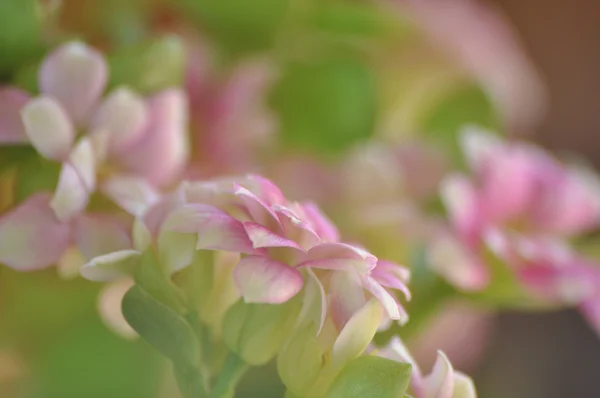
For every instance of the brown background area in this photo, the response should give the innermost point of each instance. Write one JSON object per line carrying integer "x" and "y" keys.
{"x": 556, "y": 353}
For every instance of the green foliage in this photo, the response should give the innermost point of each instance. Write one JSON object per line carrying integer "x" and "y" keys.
{"x": 239, "y": 25}
{"x": 89, "y": 361}
{"x": 300, "y": 360}
{"x": 35, "y": 174}
{"x": 468, "y": 104}
{"x": 149, "y": 67}
{"x": 350, "y": 19}
{"x": 20, "y": 33}
{"x": 325, "y": 106}
{"x": 154, "y": 280}
{"x": 371, "y": 377}
{"x": 256, "y": 331}
{"x": 161, "y": 327}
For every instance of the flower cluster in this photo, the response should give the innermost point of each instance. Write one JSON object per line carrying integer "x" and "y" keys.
{"x": 523, "y": 208}
{"x": 124, "y": 146}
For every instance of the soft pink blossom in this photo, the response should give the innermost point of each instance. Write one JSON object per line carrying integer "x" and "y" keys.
{"x": 523, "y": 207}
{"x": 281, "y": 243}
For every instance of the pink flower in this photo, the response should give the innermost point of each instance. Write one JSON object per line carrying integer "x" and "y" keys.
{"x": 123, "y": 132}
{"x": 281, "y": 243}
{"x": 34, "y": 238}
{"x": 231, "y": 121}
{"x": 522, "y": 206}
{"x": 442, "y": 382}
{"x": 127, "y": 147}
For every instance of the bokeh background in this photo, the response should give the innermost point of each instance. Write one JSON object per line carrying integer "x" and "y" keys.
{"x": 53, "y": 344}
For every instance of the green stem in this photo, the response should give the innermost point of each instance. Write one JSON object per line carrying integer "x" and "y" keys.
{"x": 229, "y": 377}
{"x": 190, "y": 382}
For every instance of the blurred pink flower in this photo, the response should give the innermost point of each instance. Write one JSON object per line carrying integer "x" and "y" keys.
{"x": 127, "y": 147}
{"x": 442, "y": 382}
{"x": 281, "y": 243}
{"x": 523, "y": 206}
{"x": 484, "y": 43}
{"x": 231, "y": 121}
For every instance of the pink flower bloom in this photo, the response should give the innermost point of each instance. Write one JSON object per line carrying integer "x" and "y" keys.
{"x": 522, "y": 206}
{"x": 281, "y": 243}
{"x": 128, "y": 146}
{"x": 231, "y": 121}
{"x": 482, "y": 41}
{"x": 34, "y": 238}
{"x": 442, "y": 382}
{"x": 123, "y": 132}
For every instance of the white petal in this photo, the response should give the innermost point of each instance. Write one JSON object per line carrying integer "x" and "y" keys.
{"x": 123, "y": 115}
{"x": 48, "y": 127}
{"x": 111, "y": 266}
{"x": 74, "y": 74}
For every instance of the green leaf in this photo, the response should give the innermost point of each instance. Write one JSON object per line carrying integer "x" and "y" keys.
{"x": 15, "y": 155}
{"x": 239, "y": 25}
{"x": 156, "y": 281}
{"x": 161, "y": 327}
{"x": 257, "y": 331}
{"x": 467, "y": 104}
{"x": 35, "y": 174}
{"x": 87, "y": 360}
{"x": 354, "y": 19}
{"x": 149, "y": 67}
{"x": 20, "y": 33}
{"x": 371, "y": 377}
{"x": 326, "y": 106}
{"x": 300, "y": 360}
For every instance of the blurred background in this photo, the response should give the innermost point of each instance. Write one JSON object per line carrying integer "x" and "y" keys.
{"x": 530, "y": 68}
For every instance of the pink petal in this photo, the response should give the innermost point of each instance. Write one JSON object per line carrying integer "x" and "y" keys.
{"x": 314, "y": 296}
{"x": 591, "y": 311}
{"x": 216, "y": 229}
{"x": 98, "y": 234}
{"x": 479, "y": 147}
{"x": 459, "y": 265}
{"x": 462, "y": 205}
{"x": 264, "y": 237}
{"x": 124, "y": 116}
{"x": 75, "y": 75}
{"x": 12, "y": 130}
{"x": 31, "y": 235}
{"x": 392, "y": 276}
{"x": 440, "y": 382}
{"x": 296, "y": 228}
{"x": 516, "y": 170}
{"x": 390, "y": 303}
{"x": 322, "y": 225}
{"x": 397, "y": 351}
{"x": 76, "y": 182}
{"x": 48, "y": 127}
{"x": 111, "y": 266}
{"x": 263, "y": 280}
{"x": 161, "y": 152}
{"x": 259, "y": 210}
{"x": 133, "y": 194}
{"x": 71, "y": 196}
{"x": 574, "y": 206}
{"x": 156, "y": 214}
{"x": 346, "y": 296}
{"x": 225, "y": 233}
{"x": 339, "y": 256}
{"x": 264, "y": 189}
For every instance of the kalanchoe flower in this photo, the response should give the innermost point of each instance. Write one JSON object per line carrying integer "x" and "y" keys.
{"x": 442, "y": 382}
{"x": 277, "y": 239}
{"x": 230, "y": 119}
{"x": 125, "y": 145}
{"x": 523, "y": 207}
